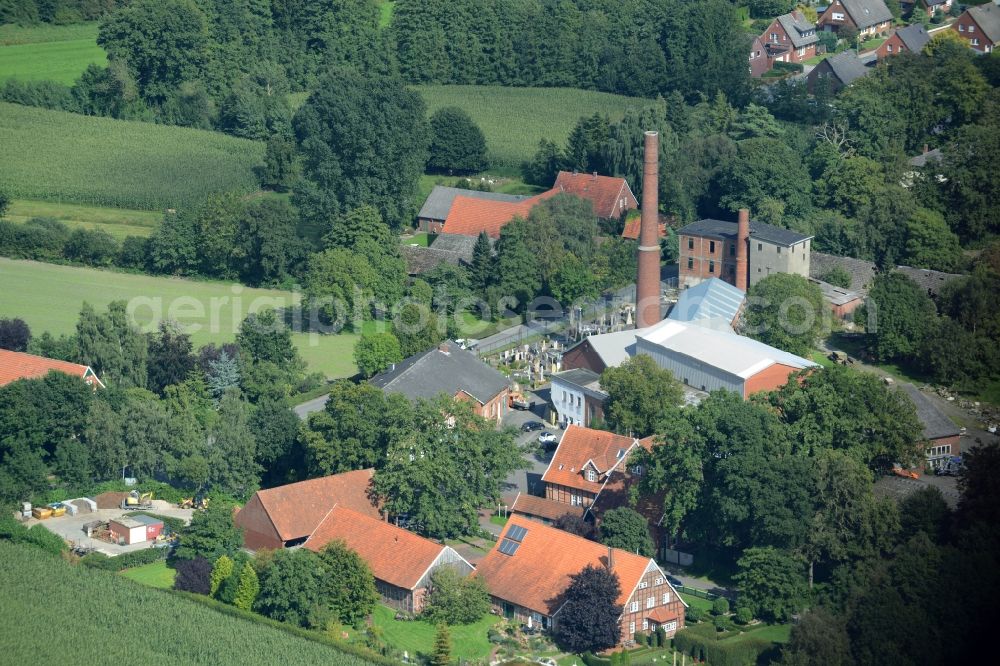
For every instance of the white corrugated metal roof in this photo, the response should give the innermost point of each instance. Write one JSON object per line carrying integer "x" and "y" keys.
{"x": 732, "y": 353}
{"x": 710, "y": 299}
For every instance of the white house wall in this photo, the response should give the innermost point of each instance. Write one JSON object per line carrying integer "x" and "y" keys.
{"x": 689, "y": 370}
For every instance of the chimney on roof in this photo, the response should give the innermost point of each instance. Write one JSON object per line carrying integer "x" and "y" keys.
{"x": 647, "y": 290}
{"x": 742, "y": 249}
{"x": 611, "y": 558}
{"x": 444, "y": 348}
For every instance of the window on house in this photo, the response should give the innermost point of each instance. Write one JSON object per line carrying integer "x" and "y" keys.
{"x": 690, "y": 243}
{"x": 631, "y": 628}
{"x": 972, "y": 28}
{"x": 732, "y": 249}
{"x": 591, "y": 475}
{"x": 961, "y": 28}
{"x": 779, "y": 249}
{"x": 975, "y": 41}
{"x": 643, "y": 585}
{"x": 711, "y": 267}
{"x": 690, "y": 263}
{"x": 666, "y": 597}
{"x": 670, "y": 626}
{"x": 711, "y": 246}
{"x": 760, "y": 247}
{"x": 635, "y": 609}
{"x": 650, "y": 602}
{"x": 637, "y": 470}
{"x": 575, "y": 500}
{"x": 838, "y": 16}
{"x": 645, "y": 624}
{"x": 658, "y": 581}
{"x": 889, "y": 48}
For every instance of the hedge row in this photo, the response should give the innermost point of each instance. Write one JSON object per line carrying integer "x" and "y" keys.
{"x": 13, "y": 531}
{"x": 741, "y": 652}
{"x": 135, "y": 558}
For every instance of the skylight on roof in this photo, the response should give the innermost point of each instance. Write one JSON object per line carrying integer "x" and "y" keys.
{"x": 508, "y": 547}
{"x": 621, "y": 452}
{"x": 516, "y": 533}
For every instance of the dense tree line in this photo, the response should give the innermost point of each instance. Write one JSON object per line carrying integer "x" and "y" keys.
{"x": 57, "y": 12}
{"x": 880, "y": 607}
{"x": 211, "y": 420}
{"x": 633, "y": 48}
{"x": 789, "y": 471}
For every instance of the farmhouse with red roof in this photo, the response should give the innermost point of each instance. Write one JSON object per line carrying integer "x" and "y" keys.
{"x": 401, "y": 561}
{"x": 531, "y": 565}
{"x": 18, "y": 365}
{"x": 288, "y": 515}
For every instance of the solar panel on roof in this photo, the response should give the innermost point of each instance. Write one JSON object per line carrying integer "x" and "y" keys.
{"x": 516, "y": 533}
{"x": 508, "y": 547}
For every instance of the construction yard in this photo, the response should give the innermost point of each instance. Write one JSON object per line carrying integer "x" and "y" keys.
{"x": 74, "y": 528}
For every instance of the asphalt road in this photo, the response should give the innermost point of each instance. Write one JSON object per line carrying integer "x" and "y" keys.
{"x": 306, "y": 408}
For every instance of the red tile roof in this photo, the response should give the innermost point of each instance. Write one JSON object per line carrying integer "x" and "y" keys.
{"x": 537, "y": 574}
{"x": 396, "y": 556}
{"x": 662, "y": 614}
{"x": 18, "y": 365}
{"x": 604, "y": 192}
{"x": 631, "y": 230}
{"x": 296, "y": 509}
{"x": 470, "y": 217}
{"x": 579, "y": 446}
{"x": 529, "y": 505}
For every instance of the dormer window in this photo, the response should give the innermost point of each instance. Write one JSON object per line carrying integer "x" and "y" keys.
{"x": 591, "y": 475}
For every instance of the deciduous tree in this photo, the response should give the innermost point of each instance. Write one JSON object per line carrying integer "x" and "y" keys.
{"x": 589, "y": 620}
{"x": 786, "y": 311}
{"x": 210, "y": 535}
{"x": 348, "y": 588}
{"x": 771, "y": 583}
{"x": 457, "y": 143}
{"x": 627, "y": 529}
{"x": 375, "y": 352}
{"x": 640, "y": 395}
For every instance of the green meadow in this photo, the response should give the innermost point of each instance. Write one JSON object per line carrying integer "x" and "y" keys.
{"x": 49, "y": 52}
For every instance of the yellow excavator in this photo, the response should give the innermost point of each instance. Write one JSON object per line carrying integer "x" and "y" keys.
{"x": 135, "y": 500}
{"x": 198, "y": 502}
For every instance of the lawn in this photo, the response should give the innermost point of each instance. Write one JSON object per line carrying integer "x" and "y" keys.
{"x": 156, "y": 574}
{"x": 542, "y": 113}
{"x": 696, "y": 602}
{"x": 871, "y": 44}
{"x": 385, "y": 13}
{"x": 49, "y": 298}
{"x": 119, "y": 222}
{"x": 815, "y": 60}
{"x": 420, "y": 239}
{"x": 467, "y": 641}
{"x": 822, "y": 359}
{"x": 66, "y": 157}
{"x": 53, "y": 59}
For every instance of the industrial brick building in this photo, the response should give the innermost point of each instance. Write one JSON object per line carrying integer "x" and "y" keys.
{"x": 741, "y": 253}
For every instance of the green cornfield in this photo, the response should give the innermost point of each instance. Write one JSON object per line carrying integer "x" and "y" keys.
{"x": 56, "y": 613}
{"x": 514, "y": 120}
{"x": 69, "y": 158}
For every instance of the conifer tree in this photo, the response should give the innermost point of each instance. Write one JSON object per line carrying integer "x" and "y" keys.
{"x": 442, "y": 646}
{"x": 222, "y": 570}
{"x": 249, "y": 586}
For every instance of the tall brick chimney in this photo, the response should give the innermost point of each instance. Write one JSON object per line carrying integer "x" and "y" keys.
{"x": 647, "y": 293}
{"x": 742, "y": 249}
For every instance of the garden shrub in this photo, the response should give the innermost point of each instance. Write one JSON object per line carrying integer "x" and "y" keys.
{"x": 722, "y": 623}
{"x": 720, "y": 606}
{"x": 661, "y": 637}
{"x": 744, "y": 615}
{"x": 135, "y": 558}
{"x": 694, "y": 614}
{"x": 591, "y": 659}
{"x": 194, "y": 575}
{"x": 742, "y": 652}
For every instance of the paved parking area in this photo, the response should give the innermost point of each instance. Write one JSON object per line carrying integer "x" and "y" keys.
{"x": 71, "y": 528}
{"x": 529, "y": 480}
{"x": 899, "y": 487}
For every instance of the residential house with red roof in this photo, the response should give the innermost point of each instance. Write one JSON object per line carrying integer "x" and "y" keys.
{"x": 584, "y": 462}
{"x": 288, "y": 515}
{"x": 789, "y": 38}
{"x": 530, "y": 568}
{"x": 18, "y": 365}
{"x": 544, "y": 510}
{"x": 401, "y": 562}
{"x": 471, "y": 216}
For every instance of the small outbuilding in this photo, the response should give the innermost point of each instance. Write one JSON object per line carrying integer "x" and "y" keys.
{"x": 130, "y": 530}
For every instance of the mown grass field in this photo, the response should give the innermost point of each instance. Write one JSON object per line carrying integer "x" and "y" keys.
{"x": 119, "y": 222}
{"x": 467, "y": 641}
{"x": 55, "y": 53}
{"x": 155, "y": 574}
{"x": 49, "y": 297}
{"x": 55, "y": 613}
{"x": 66, "y": 157}
{"x": 514, "y": 120}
